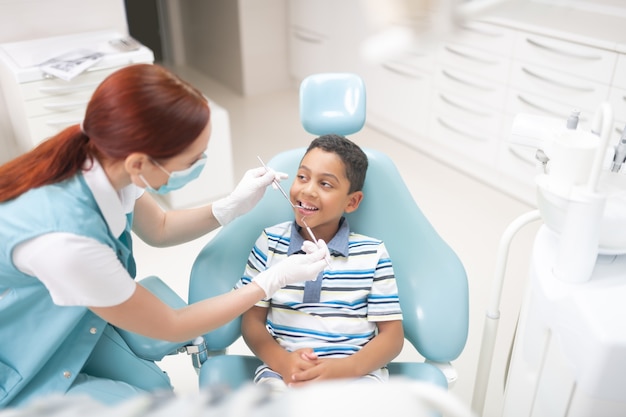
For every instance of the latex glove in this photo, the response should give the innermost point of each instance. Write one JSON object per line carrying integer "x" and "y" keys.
{"x": 296, "y": 268}
{"x": 246, "y": 194}
{"x": 310, "y": 247}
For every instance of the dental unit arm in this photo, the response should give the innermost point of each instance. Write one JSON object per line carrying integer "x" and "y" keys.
{"x": 619, "y": 157}
{"x": 576, "y": 275}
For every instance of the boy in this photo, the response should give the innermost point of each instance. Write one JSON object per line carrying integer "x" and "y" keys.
{"x": 345, "y": 324}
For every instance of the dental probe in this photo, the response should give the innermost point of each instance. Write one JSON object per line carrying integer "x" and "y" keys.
{"x": 280, "y": 188}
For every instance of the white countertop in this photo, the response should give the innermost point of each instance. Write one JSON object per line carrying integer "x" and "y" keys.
{"x": 24, "y": 57}
{"x": 585, "y": 27}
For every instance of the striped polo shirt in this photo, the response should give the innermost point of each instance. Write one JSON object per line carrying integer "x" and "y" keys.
{"x": 336, "y": 314}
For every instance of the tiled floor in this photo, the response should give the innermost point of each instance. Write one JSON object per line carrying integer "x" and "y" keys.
{"x": 468, "y": 214}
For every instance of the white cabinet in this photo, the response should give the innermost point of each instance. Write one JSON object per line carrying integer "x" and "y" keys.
{"x": 310, "y": 37}
{"x": 458, "y": 97}
{"x": 473, "y": 69}
{"x": 325, "y": 35}
{"x": 40, "y": 105}
{"x": 398, "y": 94}
{"x": 552, "y": 77}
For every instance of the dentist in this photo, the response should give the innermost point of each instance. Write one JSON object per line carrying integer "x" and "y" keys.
{"x": 66, "y": 263}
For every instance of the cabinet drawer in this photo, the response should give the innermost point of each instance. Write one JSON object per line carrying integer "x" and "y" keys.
{"x": 312, "y": 15}
{"x": 467, "y": 113}
{"x": 518, "y": 162}
{"x": 567, "y": 89}
{"x": 464, "y": 140}
{"x": 398, "y": 93}
{"x": 619, "y": 79}
{"x": 471, "y": 86}
{"x": 571, "y": 58}
{"x": 309, "y": 53}
{"x": 58, "y": 104}
{"x": 522, "y": 102}
{"x": 476, "y": 61}
{"x": 43, "y": 127}
{"x": 86, "y": 82}
{"x": 515, "y": 160}
{"x": 495, "y": 39}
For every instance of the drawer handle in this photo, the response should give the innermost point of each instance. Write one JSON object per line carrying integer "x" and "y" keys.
{"x": 65, "y": 106}
{"x": 466, "y": 82}
{"x": 544, "y": 109}
{"x": 459, "y": 131}
{"x": 66, "y": 89}
{"x": 563, "y": 52}
{"x": 307, "y": 37}
{"x": 470, "y": 56}
{"x": 397, "y": 69}
{"x": 525, "y": 159}
{"x": 459, "y": 106}
{"x": 549, "y": 80}
{"x": 66, "y": 122}
{"x": 483, "y": 32}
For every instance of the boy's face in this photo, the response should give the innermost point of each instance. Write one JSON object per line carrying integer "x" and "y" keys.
{"x": 321, "y": 187}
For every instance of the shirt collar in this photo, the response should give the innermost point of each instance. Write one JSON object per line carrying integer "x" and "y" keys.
{"x": 339, "y": 244}
{"x": 112, "y": 204}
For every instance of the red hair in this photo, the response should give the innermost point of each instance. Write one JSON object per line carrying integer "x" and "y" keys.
{"x": 140, "y": 108}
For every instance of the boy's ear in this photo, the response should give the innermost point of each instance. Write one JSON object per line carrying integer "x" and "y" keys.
{"x": 354, "y": 200}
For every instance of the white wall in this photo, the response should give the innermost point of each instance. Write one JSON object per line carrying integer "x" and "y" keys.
{"x": 242, "y": 44}
{"x": 31, "y": 19}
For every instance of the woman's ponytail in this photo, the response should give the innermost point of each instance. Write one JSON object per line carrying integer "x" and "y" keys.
{"x": 53, "y": 160}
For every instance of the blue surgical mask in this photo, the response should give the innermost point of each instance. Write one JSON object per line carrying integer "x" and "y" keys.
{"x": 177, "y": 179}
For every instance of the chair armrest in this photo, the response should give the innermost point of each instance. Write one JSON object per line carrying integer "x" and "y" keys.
{"x": 146, "y": 347}
{"x": 232, "y": 371}
{"x": 447, "y": 369}
{"x": 419, "y": 371}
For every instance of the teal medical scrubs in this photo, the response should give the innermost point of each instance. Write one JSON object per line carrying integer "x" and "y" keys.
{"x": 50, "y": 349}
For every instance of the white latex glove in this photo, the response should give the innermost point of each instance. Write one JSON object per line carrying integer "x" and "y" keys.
{"x": 246, "y": 194}
{"x": 310, "y": 247}
{"x": 296, "y": 268}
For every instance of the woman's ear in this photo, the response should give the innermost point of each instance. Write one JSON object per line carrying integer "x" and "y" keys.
{"x": 354, "y": 200}
{"x": 136, "y": 162}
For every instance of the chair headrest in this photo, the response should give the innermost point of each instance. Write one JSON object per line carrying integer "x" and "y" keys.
{"x": 332, "y": 103}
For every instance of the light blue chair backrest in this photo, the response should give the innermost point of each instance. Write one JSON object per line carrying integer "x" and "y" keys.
{"x": 431, "y": 279}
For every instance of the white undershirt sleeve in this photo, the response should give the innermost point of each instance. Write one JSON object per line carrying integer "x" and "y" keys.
{"x": 76, "y": 270}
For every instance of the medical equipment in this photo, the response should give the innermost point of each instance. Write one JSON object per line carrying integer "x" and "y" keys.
{"x": 431, "y": 279}
{"x": 620, "y": 153}
{"x": 569, "y": 355}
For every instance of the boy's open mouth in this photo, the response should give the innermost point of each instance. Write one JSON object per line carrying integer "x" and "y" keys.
{"x": 306, "y": 207}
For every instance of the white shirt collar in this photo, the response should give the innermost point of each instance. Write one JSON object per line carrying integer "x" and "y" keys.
{"x": 113, "y": 205}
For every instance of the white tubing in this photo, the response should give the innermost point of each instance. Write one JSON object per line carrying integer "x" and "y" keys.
{"x": 602, "y": 125}
{"x": 493, "y": 311}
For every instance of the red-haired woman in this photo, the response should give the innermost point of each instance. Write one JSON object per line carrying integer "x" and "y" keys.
{"x": 66, "y": 264}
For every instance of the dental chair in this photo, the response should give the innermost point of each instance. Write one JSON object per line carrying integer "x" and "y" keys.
{"x": 432, "y": 282}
